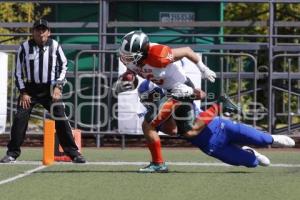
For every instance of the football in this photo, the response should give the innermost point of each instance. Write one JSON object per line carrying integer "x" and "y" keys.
{"x": 128, "y": 76}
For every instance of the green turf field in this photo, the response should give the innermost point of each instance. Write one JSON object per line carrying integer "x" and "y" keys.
{"x": 104, "y": 179}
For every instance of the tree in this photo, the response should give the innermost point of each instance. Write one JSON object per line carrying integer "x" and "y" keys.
{"x": 19, "y": 12}
{"x": 260, "y": 12}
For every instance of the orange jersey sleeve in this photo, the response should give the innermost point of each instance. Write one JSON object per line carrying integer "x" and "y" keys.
{"x": 159, "y": 56}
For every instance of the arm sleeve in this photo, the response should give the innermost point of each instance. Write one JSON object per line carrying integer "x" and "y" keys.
{"x": 62, "y": 65}
{"x": 19, "y": 76}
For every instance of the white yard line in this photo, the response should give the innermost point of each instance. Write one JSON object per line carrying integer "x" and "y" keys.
{"x": 26, "y": 173}
{"x": 121, "y": 163}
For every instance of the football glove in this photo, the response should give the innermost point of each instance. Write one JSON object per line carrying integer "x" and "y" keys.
{"x": 206, "y": 72}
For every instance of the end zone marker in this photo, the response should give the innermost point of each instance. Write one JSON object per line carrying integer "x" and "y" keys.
{"x": 49, "y": 139}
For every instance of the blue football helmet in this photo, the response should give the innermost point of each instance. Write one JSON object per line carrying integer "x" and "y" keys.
{"x": 149, "y": 92}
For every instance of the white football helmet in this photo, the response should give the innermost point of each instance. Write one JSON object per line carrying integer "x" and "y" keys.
{"x": 134, "y": 47}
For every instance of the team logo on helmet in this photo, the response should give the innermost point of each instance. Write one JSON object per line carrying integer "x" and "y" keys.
{"x": 134, "y": 47}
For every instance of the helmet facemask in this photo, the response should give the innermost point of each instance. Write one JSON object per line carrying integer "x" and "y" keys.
{"x": 130, "y": 58}
{"x": 134, "y": 48}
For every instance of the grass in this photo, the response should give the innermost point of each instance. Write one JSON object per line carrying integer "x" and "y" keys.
{"x": 102, "y": 182}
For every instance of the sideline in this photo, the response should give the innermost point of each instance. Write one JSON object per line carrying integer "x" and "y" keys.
{"x": 26, "y": 173}
{"x": 121, "y": 163}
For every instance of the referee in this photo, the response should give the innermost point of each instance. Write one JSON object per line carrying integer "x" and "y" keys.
{"x": 40, "y": 74}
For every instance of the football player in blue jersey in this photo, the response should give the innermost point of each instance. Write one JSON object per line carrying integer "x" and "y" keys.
{"x": 216, "y": 136}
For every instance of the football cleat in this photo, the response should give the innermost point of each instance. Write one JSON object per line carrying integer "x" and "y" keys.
{"x": 262, "y": 159}
{"x": 154, "y": 168}
{"x": 282, "y": 141}
{"x": 228, "y": 106}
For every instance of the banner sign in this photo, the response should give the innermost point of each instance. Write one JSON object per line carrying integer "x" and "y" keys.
{"x": 3, "y": 90}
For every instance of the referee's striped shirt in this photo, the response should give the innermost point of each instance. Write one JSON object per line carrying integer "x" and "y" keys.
{"x": 47, "y": 65}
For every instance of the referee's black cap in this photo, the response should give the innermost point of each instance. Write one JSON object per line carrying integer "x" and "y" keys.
{"x": 41, "y": 23}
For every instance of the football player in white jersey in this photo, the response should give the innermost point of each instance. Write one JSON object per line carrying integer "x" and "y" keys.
{"x": 161, "y": 65}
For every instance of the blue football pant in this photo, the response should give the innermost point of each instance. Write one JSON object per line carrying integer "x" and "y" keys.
{"x": 221, "y": 139}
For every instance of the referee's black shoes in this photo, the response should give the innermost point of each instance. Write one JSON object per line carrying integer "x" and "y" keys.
{"x": 78, "y": 159}
{"x": 10, "y": 159}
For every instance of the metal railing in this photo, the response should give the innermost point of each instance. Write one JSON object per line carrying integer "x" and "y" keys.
{"x": 103, "y": 48}
{"x": 37, "y": 114}
{"x": 225, "y": 74}
{"x": 287, "y": 75}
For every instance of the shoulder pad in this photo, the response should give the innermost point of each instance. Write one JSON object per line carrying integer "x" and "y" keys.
{"x": 159, "y": 56}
